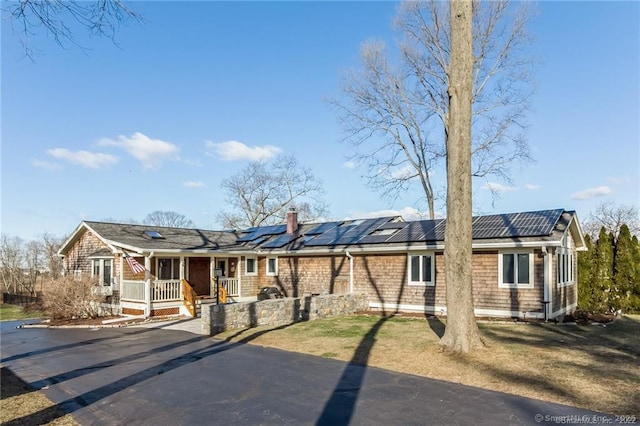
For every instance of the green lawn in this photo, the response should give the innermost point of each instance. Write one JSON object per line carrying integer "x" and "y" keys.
{"x": 13, "y": 312}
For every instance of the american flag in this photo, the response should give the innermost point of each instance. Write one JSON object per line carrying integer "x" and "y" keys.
{"x": 135, "y": 266}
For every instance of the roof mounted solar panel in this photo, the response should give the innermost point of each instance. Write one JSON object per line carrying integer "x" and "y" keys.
{"x": 422, "y": 230}
{"x": 347, "y": 233}
{"x": 258, "y": 241}
{"x": 322, "y": 228}
{"x": 534, "y": 223}
{"x": 255, "y": 233}
{"x": 513, "y": 225}
{"x": 280, "y": 241}
{"x": 491, "y": 226}
{"x": 393, "y": 225}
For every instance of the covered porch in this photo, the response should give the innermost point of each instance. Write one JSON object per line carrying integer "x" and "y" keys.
{"x": 176, "y": 284}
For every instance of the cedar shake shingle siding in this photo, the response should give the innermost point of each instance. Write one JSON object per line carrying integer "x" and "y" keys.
{"x": 383, "y": 278}
{"x": 77, "y": 258}
{"x": 300, "y": 275}
{"x": 312, "y": 258}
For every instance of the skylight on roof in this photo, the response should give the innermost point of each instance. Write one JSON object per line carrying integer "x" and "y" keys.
{"x": 389, "y": 231}
{"x": 153, "y": 234}
{"x": 354, "y": 223}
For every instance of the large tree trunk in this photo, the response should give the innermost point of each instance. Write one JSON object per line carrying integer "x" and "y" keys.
{"x": 461, "y": 333}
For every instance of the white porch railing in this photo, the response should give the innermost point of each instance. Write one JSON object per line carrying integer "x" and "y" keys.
{"x": 163, "y": 290}
{"x": 132, "y": 290}
{"x": 232, "y": 285}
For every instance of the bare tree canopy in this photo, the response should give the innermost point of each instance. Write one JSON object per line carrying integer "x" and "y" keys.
{"x": 57, "y": 18}
{"x": 169, "y": 219}
{"x": 130, "y": 220}
{"x": 12, "y": 263}
{"x": 262, "y": 193}
{"x": 395, "y": 108}
{"x": 612, "y": 216}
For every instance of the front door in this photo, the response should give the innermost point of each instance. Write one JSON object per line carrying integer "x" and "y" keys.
{"x": 199, "y": 275}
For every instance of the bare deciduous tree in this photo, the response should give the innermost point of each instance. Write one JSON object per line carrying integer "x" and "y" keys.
{"x": 461, "y": 333}
{"x": 612, "y": 216}
{"x": 11, "y": 263}
{"x": 262, "y": 193}
{"x": 51, "y": 245}
{"x": 58, "y": 17}
{"x": 35, "y": 263}
{"x": 170, "y": 219}
{"x": 395, "y": 116}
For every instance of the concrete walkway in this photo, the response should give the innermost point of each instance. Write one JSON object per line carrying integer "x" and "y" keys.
{"x": 161, "y": 376}
{"x": 190, "y": 325}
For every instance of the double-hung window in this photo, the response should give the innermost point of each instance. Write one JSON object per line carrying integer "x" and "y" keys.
{"x": 515, "y": 269}
{"x": 251, "y": 266}
{"x": 272, "y": 266}
{"x": 102, "y": 270}
{"x": 421, "y": 269}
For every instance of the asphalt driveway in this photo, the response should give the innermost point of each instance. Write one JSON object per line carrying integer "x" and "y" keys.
{"x": 145, "y": 376}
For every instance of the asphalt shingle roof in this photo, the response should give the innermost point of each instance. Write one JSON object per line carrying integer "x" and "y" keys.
{"x": 544, "y": 225}
{"x": 172, "y": 238}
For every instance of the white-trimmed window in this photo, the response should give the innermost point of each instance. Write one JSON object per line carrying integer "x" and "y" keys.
{"x": 251, "y": 266}
{"x": 272, "y": 266}
{"x": 515, "y": 269}
{"x": 102, "y": 269}
{"x": 564, "y": 267}
{"x": 168, "y": 268}
{"x": 421, "y": 268}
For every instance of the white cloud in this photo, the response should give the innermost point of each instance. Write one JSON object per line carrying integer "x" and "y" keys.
{"x": 618, "y": 181}
{"x": 408, "y": 213}
{"x": 532, "y": 186}
{"x": 235, "y": 151}
{"x": 92, "y": 160}
{"x": 192, "y": 184}
{"x": 46, "y": 165}
{"x": 349, "y": 165}
{"x": 497, "y": 187}
{"x": 588, "y": 193}
{"x": 404, "y": 173}
{"x": 150, "y": 152}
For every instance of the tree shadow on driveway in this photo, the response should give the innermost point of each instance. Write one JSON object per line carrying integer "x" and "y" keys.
{"x": 73, "y": 404}
{"x": 340, "y": 407}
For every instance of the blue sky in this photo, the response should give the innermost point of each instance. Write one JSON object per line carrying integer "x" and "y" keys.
{"x": 190, "y": 96}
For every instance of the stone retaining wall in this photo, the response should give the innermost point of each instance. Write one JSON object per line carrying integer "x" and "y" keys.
{"x": 218, "y": 318}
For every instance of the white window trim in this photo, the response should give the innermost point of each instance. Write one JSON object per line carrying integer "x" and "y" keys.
{"x": 531, "y": 269}
{"x": 433, "y": 268}
{"x": 570, "y": 267}
{"x": 173, "y": 269}
{"x": 100, "y": 275}
{"x": 272, "y": 273}
{"x": 255, "y": 266}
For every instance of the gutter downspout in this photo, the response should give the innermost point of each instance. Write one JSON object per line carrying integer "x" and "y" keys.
{"x": 546, "y": 302}
{"x": 350, "y": 270}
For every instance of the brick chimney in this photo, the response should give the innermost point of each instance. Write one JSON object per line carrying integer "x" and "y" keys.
{"x": 292, "y": 220}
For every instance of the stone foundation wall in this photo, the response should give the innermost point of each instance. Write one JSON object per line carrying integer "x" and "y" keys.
{"x": 218, "y": 318}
